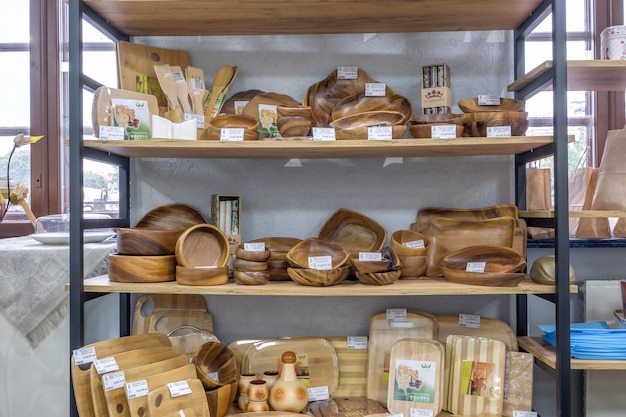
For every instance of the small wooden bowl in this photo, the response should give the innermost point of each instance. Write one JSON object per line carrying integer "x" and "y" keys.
{"x": 249, "y": 266}
{"x": 424, "y": 130}
{"x": 221, "y": 399}
{"x": 146, "y": 241}
{"x": 297, "y": 111}
{"x": 389, "y": 262}
{"x": 189, "y": 275}
{"x": 298, "y": 256}
{"x": 378, "y": 278}
{"x": 368, "y": 118}
{"x": 214, "y": 133}
{"x": 234, "y": 121}
{"x": 138, "y": 268}
{"x": 202, "y": 245}
{"x": 518, "y": 126}
{"x": 470, "y": 105}
{"x": 319, "y": 278}
{"x": 361, "y": 133}
{"x": 250, "y": 255}
{"x": 413, "y": 266}
{"x": 251, "y": 278}
{"x": 215, "y": 358}
{"x": 401, "y": 238}
{"x": 278, "y": 244}
{"x": 290, "y": 126}
{"x": 447, "y": 118}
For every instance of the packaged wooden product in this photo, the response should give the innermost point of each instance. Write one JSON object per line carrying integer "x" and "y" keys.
{"x": 518, "y": 383}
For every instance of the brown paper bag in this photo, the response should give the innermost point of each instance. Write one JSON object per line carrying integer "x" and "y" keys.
{"x": 610, "y": 193}
{"x": 582, "y": 184}
{"x": 538, "y": 189}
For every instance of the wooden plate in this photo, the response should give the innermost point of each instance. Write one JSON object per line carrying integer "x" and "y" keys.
{"x": 202, "y": 245}
{"x": 354, "y": 232}
{"x": 488, "y": 279}
{"x": 171, "y": 216}
{"x": 298, "y": 256}
{"x": 490, "y": 328}
{"x": 151, "y": 303}
{"x": 315, "y": 356}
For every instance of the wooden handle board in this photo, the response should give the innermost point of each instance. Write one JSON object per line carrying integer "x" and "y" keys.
{"x": 162, "y": 404}
{"x": 151, "y": 303}
{"x": 102, "y": 112}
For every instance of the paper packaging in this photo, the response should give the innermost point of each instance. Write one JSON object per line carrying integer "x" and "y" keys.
{"x": 436, "y": 94}
{"x": 226, "y": 214}
{"x": 518, "y": 383}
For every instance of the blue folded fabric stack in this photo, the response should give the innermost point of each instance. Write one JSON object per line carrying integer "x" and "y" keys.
{"x": 595, "y": 340}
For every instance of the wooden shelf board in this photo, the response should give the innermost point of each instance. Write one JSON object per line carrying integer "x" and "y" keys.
{"x": 168, "y": 148}
{"x": 547, "y": 354}
{"x": 253, "y": 17}
{"x": 535, "y": 214}
{"x": 590, "y": 75}
{"x": 421, "y": 286}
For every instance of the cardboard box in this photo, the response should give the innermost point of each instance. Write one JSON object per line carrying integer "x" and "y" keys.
{"x": 226, "y": 214}
{"x": 436, "y": 93}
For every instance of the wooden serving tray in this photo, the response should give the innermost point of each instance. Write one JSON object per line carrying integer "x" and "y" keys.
{"x": 352, "y": 369}
{"x": 152, "y": 303}
{"x": 162, "y": 404}
{"x": 167, "y": 321}
{"x": 489, "y": 328}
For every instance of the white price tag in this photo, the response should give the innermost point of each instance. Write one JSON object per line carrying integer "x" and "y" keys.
{"x": 396, "y": 314}
{"x": 215, "y": 376}
{"x": 113, "y": 380}
{"x": 199, "y": 119}
{"x": 111, "y": 132}
{"x": 318, "y": 393}
{"x": 347, "y": 73}
{"x": 396, "y": 415}
{"x": 469, "y": 320}
{"x": 85, "y": 355}
{"x": 370, "y": 256}
{"x": 475, "y": 267}
{"x": 197, "y": 84}
{"x": 324, "y": 133}
{"x": 254, "y": 246}
{"x": 379, "y": 133}
{"x": 179, "y": 388}
{"x": 488, "y": 100}
{"x": 239, "y": 106}
{"x": 498, "y": 131}
{"x": 322, "y": 263}
{"x": 106, "y": 365}
{"x": 375, "y": 89}
{"x": 137, "y": 389}
{"x": 357, "y": 342}
{"x": 517, "y": 413}
{"x": 230, "y": 134}
{"x": 415, "y": 244}
{"x": 181, "y": 413}
{"x": 443, "y": 131}
{"x": 420, "y": 412}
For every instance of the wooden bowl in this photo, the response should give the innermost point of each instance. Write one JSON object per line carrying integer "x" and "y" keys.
{"x": 251, "y": 278}
{"x": 413, "y": 266}
{"x": 278, "y": 244}
{"x": 297, "y": 111}
{"x": 319, "y": 278}
{"x": 139, "y": 268}
{"x": 448, "y": 118}
{"x": 518, "y": 126}
{"x": 368, "y": 118}
{"x": 145, "y": 241}
{"x": 190, "y": 275}
{"x": 250, "y": 255}
{"x": 221, "y": 399}
{"x": 240, "y": 96}
{"x": 289, "y": 126}
{"x": 354, "y": 232}
{"x": 171, "y": 216}
{"x": 361, "y": 133}
{"x": 234, "y": 121}
{"x": 389, "y": 262}
{"x": 378, "y": 278}
{"x": 249, "y": 266}
{"x": 202, "y": 245}
{"x": 213, "y": 358}
{"x": 488, "y": 279}
{"x": 298, "y": 256}
{"x": 407, "y": 242}
{"x": 358, "y": 102}
{"x": 214, "y": 133}
{"x": 424, "y": 130}
{"x": 470, "y": 105}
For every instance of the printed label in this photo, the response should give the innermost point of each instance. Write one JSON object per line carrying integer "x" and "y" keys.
{"x": 475, "y": 266}
{"x": 179, "y": 388}
{"x": 111, "y": 133}
{"x": 443, "y": 131}
{"x": 488, "y": 100}
{"x": 318, "y": 393}
{"x": 375, "y": 89}
{"x": 396, "y": 314}
{"x": 415, "y": 381}
{"x": 469, "y": 320}
{"x": 347, "y": 73}
{"x": 370, "y": 256}
{"x": 420, "y": 412}
{"x": 113, "y": 380}
{"x": 137, "y": 389}
{"x": 199, "y": 119}
{"x": 231, "y": 134}
{"x": 324, "y": 133}
{"x": 379, "y": 133}
{"x": 106, "y": 365}
{"x": 357, "y": 342}
{"x": 85, "y": 355}
{"x": 498, "y": 131}
{"x": 254, "y": 246}
{"x": 323, "y": 263}
{"x": 415, "y": 244}
{"x": 133, "y": 116}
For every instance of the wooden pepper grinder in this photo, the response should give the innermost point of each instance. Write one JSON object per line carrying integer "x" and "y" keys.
{"x": 289, "y": 393}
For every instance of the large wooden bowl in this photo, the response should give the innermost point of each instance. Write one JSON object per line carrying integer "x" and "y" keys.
{"x": 470, "y": 105}
{"x": 171, "y": 216}
{"x": 189, "y": 275}
{"x": 425, "y": 130}
{"x": 298, "y": 256}
{"x": 241, "y": 96}
{"x": 215, "y": 359}
{"x": 233, "y": 121}
{"x": 413, "y": 266}
{"x": 361, "y": 133}
{"x": 139, "y": 268}
{"x": 359, "y": 103}
{"x": 354, "y": 232}
{"x": 146, "y": 241}
{"x": 378, "y": 278}
{"x": 448, "y": 118}
{"x": 202, "y": 245}
{"x": 518, "y": 126}
{"x": 291, "y": 126}
{"x": 369, "y": 118}
{"x": 319, "y": 278}
{"x": 407, "y": 242}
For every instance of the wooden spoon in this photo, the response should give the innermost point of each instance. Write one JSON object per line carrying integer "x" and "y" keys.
{"x": 221, "y": 79}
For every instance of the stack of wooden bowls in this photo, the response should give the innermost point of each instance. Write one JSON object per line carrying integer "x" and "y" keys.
{"x": 202, "y": 254}
{"x": 378, "y": 272}
{"x": 277, "y": 263}
{"x": 250, "y": 264}
{"x": 319, "y": 263}
{"x": 421, "y": 126}
{"x": 412, "y": 250}
{"x": 294, "y": 121}
{"x": 478, "y": 118}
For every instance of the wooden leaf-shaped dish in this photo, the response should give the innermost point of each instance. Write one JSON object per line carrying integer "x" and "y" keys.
{"x": 470, "y": 105}
{"x": 354, "y": 232}
{"x": 319, "y": 278}
{"x": 298, "y": 256}
{"x": 202, "y": 245}
{"x": 171, "y": 216}
{"x": 360, "y": 103}
{"x": 369, "y": 118}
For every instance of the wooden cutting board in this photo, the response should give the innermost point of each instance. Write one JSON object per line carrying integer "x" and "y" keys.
{"x": 117, "y": 404}
{"x": 102, "y": 111}
{"x": 352, "y": 368}
{"x": 99, "y": 380}
{"x": 161, "y": 403}
{"x": 315, "y": 356}
{"x": 345, "y": 407}
{"x": 81, "y": 371}
{"x": 382, "y": 335}
{"x": 489, "y": 328}
{"x": 138, "y": 404}
{"x": 151, "y": 303}
{"x": 416, "y": 376}
{"x": 168, "y": 321}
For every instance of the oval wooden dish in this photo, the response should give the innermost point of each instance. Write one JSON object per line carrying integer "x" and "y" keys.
{"x": 213, "y": 359}
{"x": 354, "y": 232}
{"x": 146, "y": 241}
{"x": 138, "y": 268}
{"x": 359, "y": 103}
{"x": 318, "y": 277}
{"x": 298, "y": 256}
{"x": 202, "y": 245}
{"x": 171, "y": 216}
{"x": 470, "y": 105}
{"x": 378, "y": 278}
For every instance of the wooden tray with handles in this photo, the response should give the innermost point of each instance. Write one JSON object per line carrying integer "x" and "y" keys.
{"x": 161, "y": 403}
{"x": 490, "y": 328}
{"x": 167, "y": 321}
{"x": 382, "y": 336}
{"x": 152, "y": 303}
{"x": 117, "y": 404}
{"x": 124, "y": 360}
{"x": 81, "y": 372}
